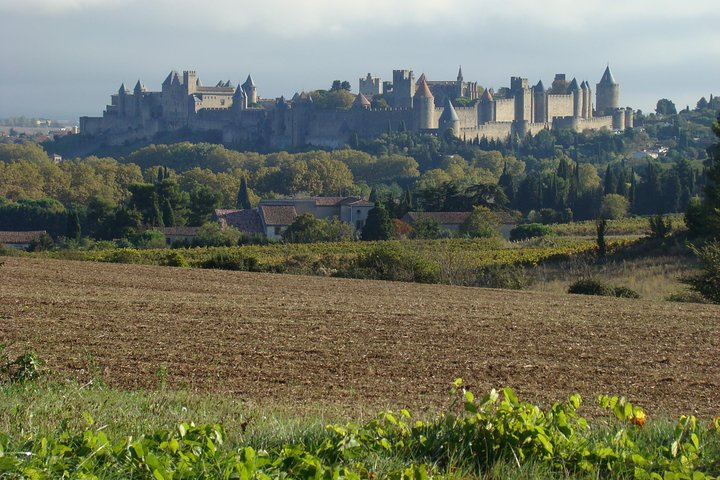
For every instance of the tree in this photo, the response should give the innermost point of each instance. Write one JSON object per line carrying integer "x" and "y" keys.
{"x": 305, "y": 229}
{"x": 378, "y": 225}
{"x": 481, "y": 223}
{"x": 601, "y": 229}
{"x": 613, "y": 206}
{"x": 428, "y": 228}
{"x": 665, "y": 107}
{"x": 73, "y": 227}
{"x": 203, "y": 201}
{"x": 243, "y": 196}
{"x": 704, "y": 218}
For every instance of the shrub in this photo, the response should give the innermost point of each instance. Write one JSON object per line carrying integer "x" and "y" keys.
{"x": 26, "y": 367}
{"x": 659, "y": 226}
{"x": 591, "y": 287}
{"x": 149, "y": 239}
{"x": 625, "y": 292}
{"x": 530, "y": 230}
{"x": 512, "y": 277}
{"x": 393, "y": 262}
{"x": 482, "y": 223}
{"x": 123, "y": 255}
{"x": 707, "y": 283}
{"x": 596, "y": 287}
{"x": 231, "y": 261}
{"x": 175, "y": 259}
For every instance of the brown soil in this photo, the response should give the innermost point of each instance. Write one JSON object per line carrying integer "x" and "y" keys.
{"x": 307, "y": 340}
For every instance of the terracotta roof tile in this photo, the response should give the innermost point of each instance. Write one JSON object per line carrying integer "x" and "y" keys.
{"x": 278, "y": 215}
{"x": 247, "y": 221}
{"x": 186, "y": 231}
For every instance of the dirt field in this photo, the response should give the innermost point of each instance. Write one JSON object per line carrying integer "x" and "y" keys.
{"x": 309, "y": 340}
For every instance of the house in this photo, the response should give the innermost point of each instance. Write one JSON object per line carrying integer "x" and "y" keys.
{"x": 272, "y": 217}
{"x": 178, "y": 234}
{"x": 20, "y": 240}
{"x": 451, "y": 221}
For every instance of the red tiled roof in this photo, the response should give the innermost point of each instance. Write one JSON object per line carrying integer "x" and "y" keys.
{"x": 423, "y": 90}
{"x": 20, "y": 237}
{"x": 244, "y": 220}
{"x": 278, "y": 215}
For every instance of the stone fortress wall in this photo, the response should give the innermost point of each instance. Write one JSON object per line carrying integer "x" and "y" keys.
{"x": 239, "y": 115}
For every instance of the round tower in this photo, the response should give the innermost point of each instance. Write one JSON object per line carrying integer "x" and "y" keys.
{"x": 250, "y": 90}
{"x": 423, "y": 106}
{"x": 629, "y": 118}
{"x": 618, "y": 119}
{"x": 540, "y": 103}
{"x": 607, "y": 93}
{"x": 449, "y": 120}
{"x": 576, "y": 93}
{"x": 485, "y": 113}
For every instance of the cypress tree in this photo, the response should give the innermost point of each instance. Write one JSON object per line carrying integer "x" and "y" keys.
{"x": 168, "y": 214}
{"x": 243, "y": 196}
{"x": 73, "y": 225}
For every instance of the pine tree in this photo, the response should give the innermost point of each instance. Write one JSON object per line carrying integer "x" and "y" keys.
{"x": 243, "y": 196}
{"x": 507, "y": 183}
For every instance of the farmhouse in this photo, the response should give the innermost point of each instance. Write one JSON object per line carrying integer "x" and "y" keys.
{"x": 20, "y": 240}
{"x": 178, "y": 234}
{"x": 272, "y": 217}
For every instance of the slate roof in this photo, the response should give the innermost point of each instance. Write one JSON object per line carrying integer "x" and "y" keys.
{"x": 244, "y": 220}
{"x": 278, "y": 215}
{"x": 16, "y": 237}
{"x": 607, "y": 77}
{"x": 540, "y": 87}
{"x": 449, "y": 114}
{"x": 361, "y": 101}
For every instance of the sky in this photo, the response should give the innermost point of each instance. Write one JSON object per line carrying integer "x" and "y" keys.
{"x": 62, "y": 59}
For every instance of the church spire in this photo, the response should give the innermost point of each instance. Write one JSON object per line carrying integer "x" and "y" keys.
{"x": 460, "y": 75}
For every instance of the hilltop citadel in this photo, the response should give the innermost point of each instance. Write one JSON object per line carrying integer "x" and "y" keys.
{"x": 238, "y": 115}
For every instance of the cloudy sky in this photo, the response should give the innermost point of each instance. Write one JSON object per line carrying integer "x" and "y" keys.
{"x": 63, "y": 58}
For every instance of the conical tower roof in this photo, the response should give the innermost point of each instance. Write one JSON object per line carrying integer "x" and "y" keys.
{"x": 249, "y": 82}
{"x": 573, "y": 86}
{"x": 423, "y": 91}
{"x": 361, "y": 101}
{"x": 169, "y": 78}
{"x": 239, "y": 92}
{"x": 139, "y": 87}
{"x": 607, "y": 78}
{"x": 449, "y": 114}
{"x": 487, "y": 96}
{"x": 539, "y": 87}
{"x": 460, "y": 75}
{"x": 122, "y": 90}
{"x": 421, "y": 79}
{"x": 584, "y": 85}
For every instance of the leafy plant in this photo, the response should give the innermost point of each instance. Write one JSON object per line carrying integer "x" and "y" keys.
{"x": 707, "y": 283}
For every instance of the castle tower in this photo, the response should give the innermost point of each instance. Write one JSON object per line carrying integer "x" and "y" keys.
{"x": 583, "y": 99}
{"x": 424, "y": 106}
{"x": 403, "y": 88}
{"x": 138, "y": 95}
{"x": 122, "y": 99}
{"x": 459, "y": 83}
{"x": 361, "y": 102}
{"x": 190, "y": 81}
{"x": 629, "y": 118}
{"x": 240, "y": 99}
{"x": 250, "y": 90}
{"x": 370, "y": 86}
{"x": 588, "y": 100}
{"x": 486, "y": 112}
{"x": 618, "y": 119}
{"x": 540, "y": 103}
{"x": 523, "y": 99}
{"x": 449, "y": 120}
{"x": 607, "y": 93}
{"x": 574, "y": 90}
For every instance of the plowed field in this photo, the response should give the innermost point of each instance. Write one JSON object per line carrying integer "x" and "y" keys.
{"x": 308, "y": 340}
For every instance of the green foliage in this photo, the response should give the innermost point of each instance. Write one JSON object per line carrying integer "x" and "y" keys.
{"x": 596, "y": 287}
{"x": 26, "y": 367}
{"x": 601, "y": 230}
{"x": 473, "y": 437}
{"x": 530, "y": 230}
{"x": 482, "y": 223}
{"x": 378, "y": 225}
{"x": 224, "y": 260}
{"x": 308, "y": 229}
{"x": 149, "y": 239}
{"x": 175, "y": 259}
{"x": 428, "y": 228}
{"x": 660, "y": 227}
{"x": 211, "y": 235}
{"x": 390, "y": 261}
{"x": 707, "y": 283}
{"x": 614, "y": 206}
